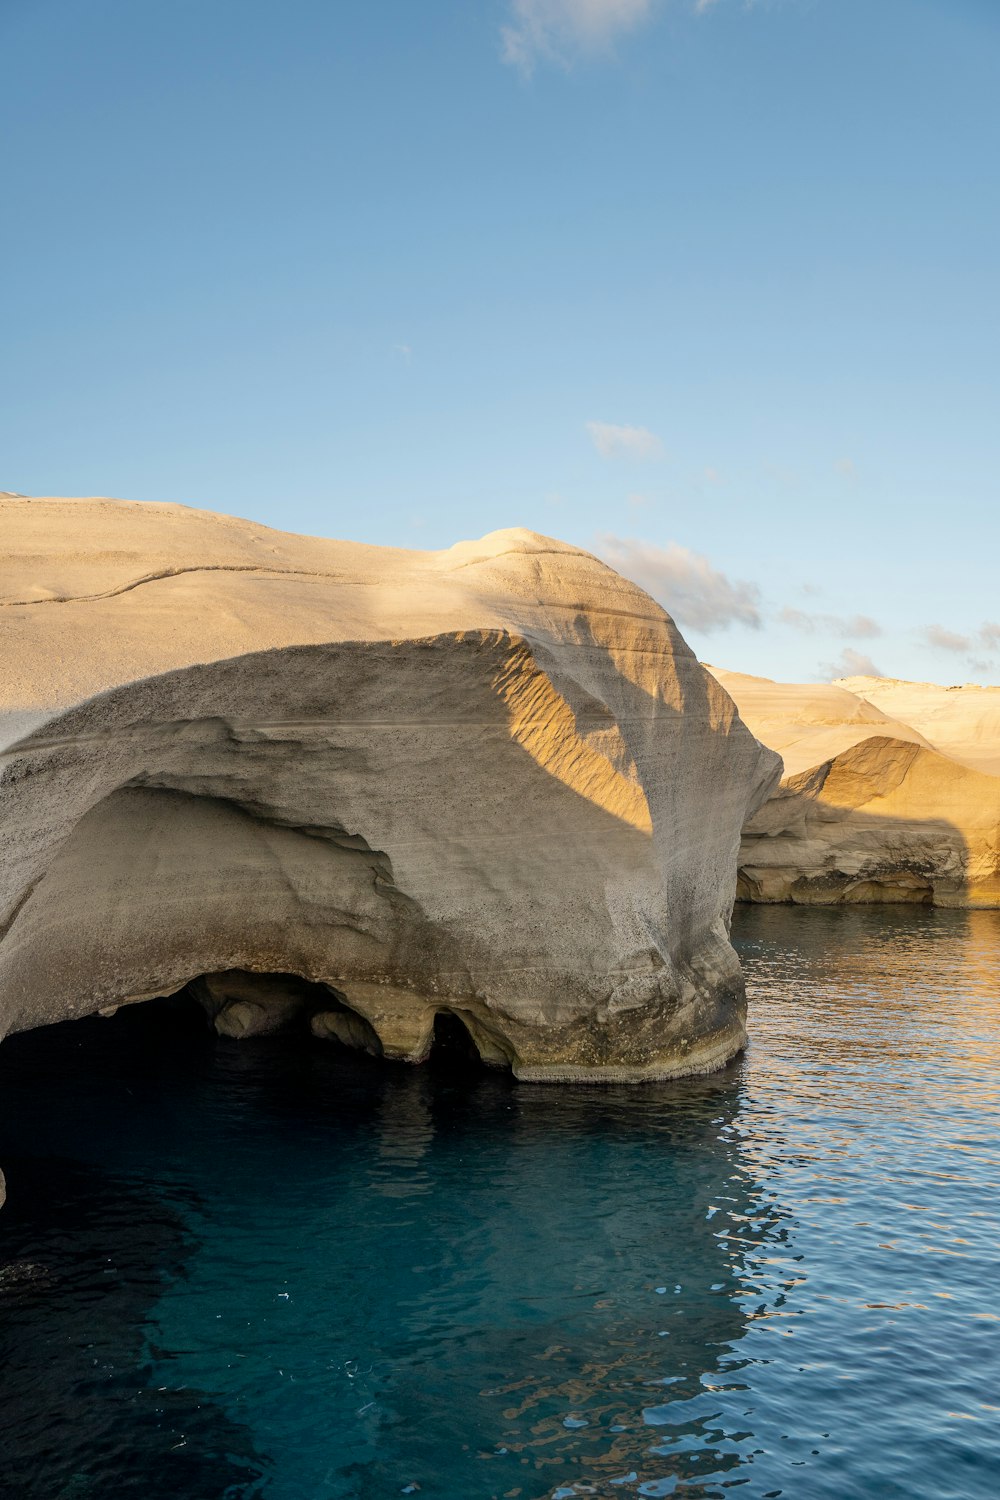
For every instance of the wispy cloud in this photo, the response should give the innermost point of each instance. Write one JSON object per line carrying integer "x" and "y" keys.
{"x": 946, "y": 640}
{"x": 564, "y": 31}
{"x": 613, "y": 441}
{"x": 561, "y": 31}
{"x": 986, "y": 637}
{"x": 972, "y": 645}
{"x": 854, "y": 627}
{"x": 850, "y": 663}
{"x": 685, "y": 583}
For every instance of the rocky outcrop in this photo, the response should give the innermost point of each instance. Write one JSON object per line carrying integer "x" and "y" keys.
{"x": 962, "y": 722}
{"x": 871, "y": 810}
{"x": 365, "y": 785}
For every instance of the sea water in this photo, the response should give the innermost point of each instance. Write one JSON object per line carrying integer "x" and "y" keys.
{"x": 274, "y": 1269}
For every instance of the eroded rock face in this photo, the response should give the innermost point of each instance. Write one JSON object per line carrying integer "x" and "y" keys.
{"x": 491, "y": 781}
{"x": 961, "y": 722}
{"x": 872, "y": 809}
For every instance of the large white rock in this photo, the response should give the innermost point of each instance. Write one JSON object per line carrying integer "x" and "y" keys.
{"x": 963, "y": 722}
{"x": 874, "y": 807}
{"x": 491, "y": 781}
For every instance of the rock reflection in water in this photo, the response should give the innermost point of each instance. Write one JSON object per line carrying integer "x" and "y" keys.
{"x": 83, "y": 1256}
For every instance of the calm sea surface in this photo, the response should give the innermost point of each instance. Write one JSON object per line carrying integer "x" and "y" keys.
{"x": 267, "y": 1269}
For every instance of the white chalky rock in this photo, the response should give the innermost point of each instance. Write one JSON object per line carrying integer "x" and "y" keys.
{"x": 874, "y": 808}
{"x": 492, "y": 781}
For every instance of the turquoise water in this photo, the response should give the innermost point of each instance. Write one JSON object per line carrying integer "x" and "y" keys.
{"x": 269, "y": 1269}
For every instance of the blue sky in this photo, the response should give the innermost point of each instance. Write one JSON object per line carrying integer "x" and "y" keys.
{"x": 709, "y": 288}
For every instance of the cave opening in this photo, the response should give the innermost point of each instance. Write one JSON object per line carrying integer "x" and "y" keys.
{"x": 452, "y": 1048}
{"x": 242, "y": 1005}
{"x": 251, "y": 1033}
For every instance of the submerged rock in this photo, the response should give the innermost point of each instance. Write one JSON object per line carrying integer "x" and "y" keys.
{"x": 491, "y": 781}
{"x": 872, "y": 809}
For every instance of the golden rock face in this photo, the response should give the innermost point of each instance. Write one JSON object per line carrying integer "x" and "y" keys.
{"x": 875, "y": 808}
{"x": 491, "y": 781}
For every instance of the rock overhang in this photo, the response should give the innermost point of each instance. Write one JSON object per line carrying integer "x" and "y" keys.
{"x": 530, "y": 817}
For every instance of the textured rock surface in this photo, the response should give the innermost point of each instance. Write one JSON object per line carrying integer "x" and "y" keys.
{"x": 962, "y": 722}
{"x": 874, "y": 809}
{"x": 491, "y": 781}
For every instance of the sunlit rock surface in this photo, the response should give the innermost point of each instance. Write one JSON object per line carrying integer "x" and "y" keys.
{"x": 874, "y": 806}
{"x": 365, "y": 785}
{"x": 963, "y": 722}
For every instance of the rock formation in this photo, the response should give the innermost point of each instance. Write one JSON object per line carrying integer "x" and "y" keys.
{"x": 366, "y": 784}
{"x": 963, "y": 722}
{"x": 874, "y": 808}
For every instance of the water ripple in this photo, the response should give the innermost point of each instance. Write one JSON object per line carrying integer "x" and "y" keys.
{"x": 263, "y": 1269}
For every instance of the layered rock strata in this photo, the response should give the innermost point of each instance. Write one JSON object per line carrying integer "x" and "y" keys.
{"x": 365, "y": 784}
{"x": 873, "y": 808}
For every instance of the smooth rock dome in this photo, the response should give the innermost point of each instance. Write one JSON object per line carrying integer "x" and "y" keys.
{"x": 372, "y": 784}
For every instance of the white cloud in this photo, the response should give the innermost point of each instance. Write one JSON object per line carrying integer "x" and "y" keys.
{"x": 850, "y": 664}
{"x": 560, "y": 31}
{"x": 946, "y": 640}
{"x": 975, "y": 646}
{"x": 612, "y": 441}
{"x": 861, "y": 627}
{"x": 685, "y": 583}
{"x": 986, "y": 637}
{"x": 854, "y": 627}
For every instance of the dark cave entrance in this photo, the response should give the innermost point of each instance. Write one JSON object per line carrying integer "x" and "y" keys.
{"x": 242, "y": 1005}
{"x": 245, "y": 1006}
{"x": 452, "y": 1047}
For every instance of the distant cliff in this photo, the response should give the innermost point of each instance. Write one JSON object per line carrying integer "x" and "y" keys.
{"x": 891, "y": 792}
